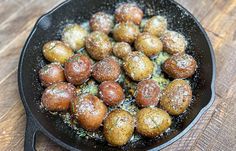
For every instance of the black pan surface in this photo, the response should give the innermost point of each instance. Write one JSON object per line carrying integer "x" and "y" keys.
{"x": 49, "y": 26}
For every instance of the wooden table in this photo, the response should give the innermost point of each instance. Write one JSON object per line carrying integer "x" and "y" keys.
{"x": 216, "y": 130}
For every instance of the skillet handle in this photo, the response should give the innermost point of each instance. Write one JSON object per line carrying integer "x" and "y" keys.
{"x": 30, "y": 134}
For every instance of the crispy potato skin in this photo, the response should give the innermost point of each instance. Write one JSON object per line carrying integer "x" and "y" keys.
{"x": 157, "y": 25}
{"x": 148, "y": 44}
{"x": 111, "y": 93}
{"x": 126, "y": 32}
{"x": 180, "y": 66}
{"x": 57, "y": 51}
{"x": 74, "y": 35}
{"x": 118, "y": 127}
{"x": 176, "y": 97}
{"x": 51, "y": 74}
{"x": 98, "y": 45}
{"x": 101, "y": 21}
{"x": 89, "y": 111}
{"x": 107, "y": 69}
{"x": 78, "y": 69}
{"x": 147, "y": 93}
{"x": 129, "y": 12}
{"x": 57, "y": 97}
{"x": 152, "y": 122}
{"x": 121, "y": 50}
{"x": 138, "y": 66}
{"x": 173, "y": 42}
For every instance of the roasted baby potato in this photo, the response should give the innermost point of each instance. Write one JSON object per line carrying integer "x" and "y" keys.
{"x": 101, "y": 21}
{"x": 148, "y": 44}
{"x": 152, "y": 122}
{"x": 173, "y": 42}
{"x": 126, "y": 32}
{"x": 58, "y": 96}
{"x": 78, "y": 69}
{"x": 57, "y": 51}
{"x": 89, "y": 111}
{"x": 176, "y": 97}
{"x": 122, "y": 50}
{"x": 111, "y": 93}
{"x": 157, "y": 25}
{"x": 180, "y": 66}
{"x": 147, "y": 93}
{"x": 98, "y": 45}
{"x": 129, "y": 12}
{"x": 74, "y": 35}
{"x": 107, "y": 69}
{"x": 138, "y": 66}
{"x": 118, "y": 127}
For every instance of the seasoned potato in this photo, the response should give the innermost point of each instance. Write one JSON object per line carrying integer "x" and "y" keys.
{"x": 173, "y": 42}
{"x": 74, "y": 35}
{"x": 126, "y": 32}
{"x": 101, "y": 22}
{"x": 118, "y": 127}
{"x": 138, "y": 66}
{"x": 111, "y": 93}
{"x": 148, "y": 44}
{"x": 157, "y": 25}
{"x": 51, "y": 73}
{"x": 122, "y": 50}
{"x": 98, "y": 45}
{"x": 58, "y": 97}
{"x": 78, "y": 69}
{"x": 89, "y": 111}
{"x": 147, "y": 93}
{"x": 180, "y": 66}
{"x": 107, "y": 69}
{"x": 129, "y": 12}
{"x": 152, "y": 122}
{"x": 57, "y": 51}
{"x": 176, "y": 97}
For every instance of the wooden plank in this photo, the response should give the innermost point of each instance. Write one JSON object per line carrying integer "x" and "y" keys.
{"x": 199, "y": 8}
{"x": 221, "y": 129}
{"x": 222, "y": 19}
{"x": 12, "y": 7}
{"x": 15, "y": 31}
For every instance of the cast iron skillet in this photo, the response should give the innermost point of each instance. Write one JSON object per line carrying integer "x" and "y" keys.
{"x": 49, "y": 26}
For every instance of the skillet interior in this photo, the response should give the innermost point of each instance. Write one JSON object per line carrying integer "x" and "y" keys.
{"x": 49, "y": 28}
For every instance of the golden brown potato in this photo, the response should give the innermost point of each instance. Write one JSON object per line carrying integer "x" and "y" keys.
{"x": 180, "y": 66}
{"x": 98, "y": 45}
{"x": 138, "y": 66}
{"x": 78, "y": 69}
{"x": 107, "y": 69}
{"x": 101, "y": 22}
{"x": 129, "y": 12}
{"x": 57, "y": 51}
{"x": 148, "y": 44}
{"x": 176, "y": 97}
{"x": 74, "y": 35}
{"x": 157, "y": 25}
{"x": 147, "y": 93}
{"x": 51, "y": 74}
{"x": 58, "y": 97}
{"x": 122, "y": 50}
{"x": 89, "y": 111}
{"x": 111, "y": 93}
{"x": 118, "y": 127}
{"x": 126, "y": 32}
{"x": 152, "y": 122}
{"x": 173, "y": 42}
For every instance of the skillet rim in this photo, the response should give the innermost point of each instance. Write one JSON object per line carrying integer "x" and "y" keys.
{"x": 66, "y": 146}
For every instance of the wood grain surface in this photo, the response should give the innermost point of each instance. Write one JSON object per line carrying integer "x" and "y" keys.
{"x": 216, "y": 130}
